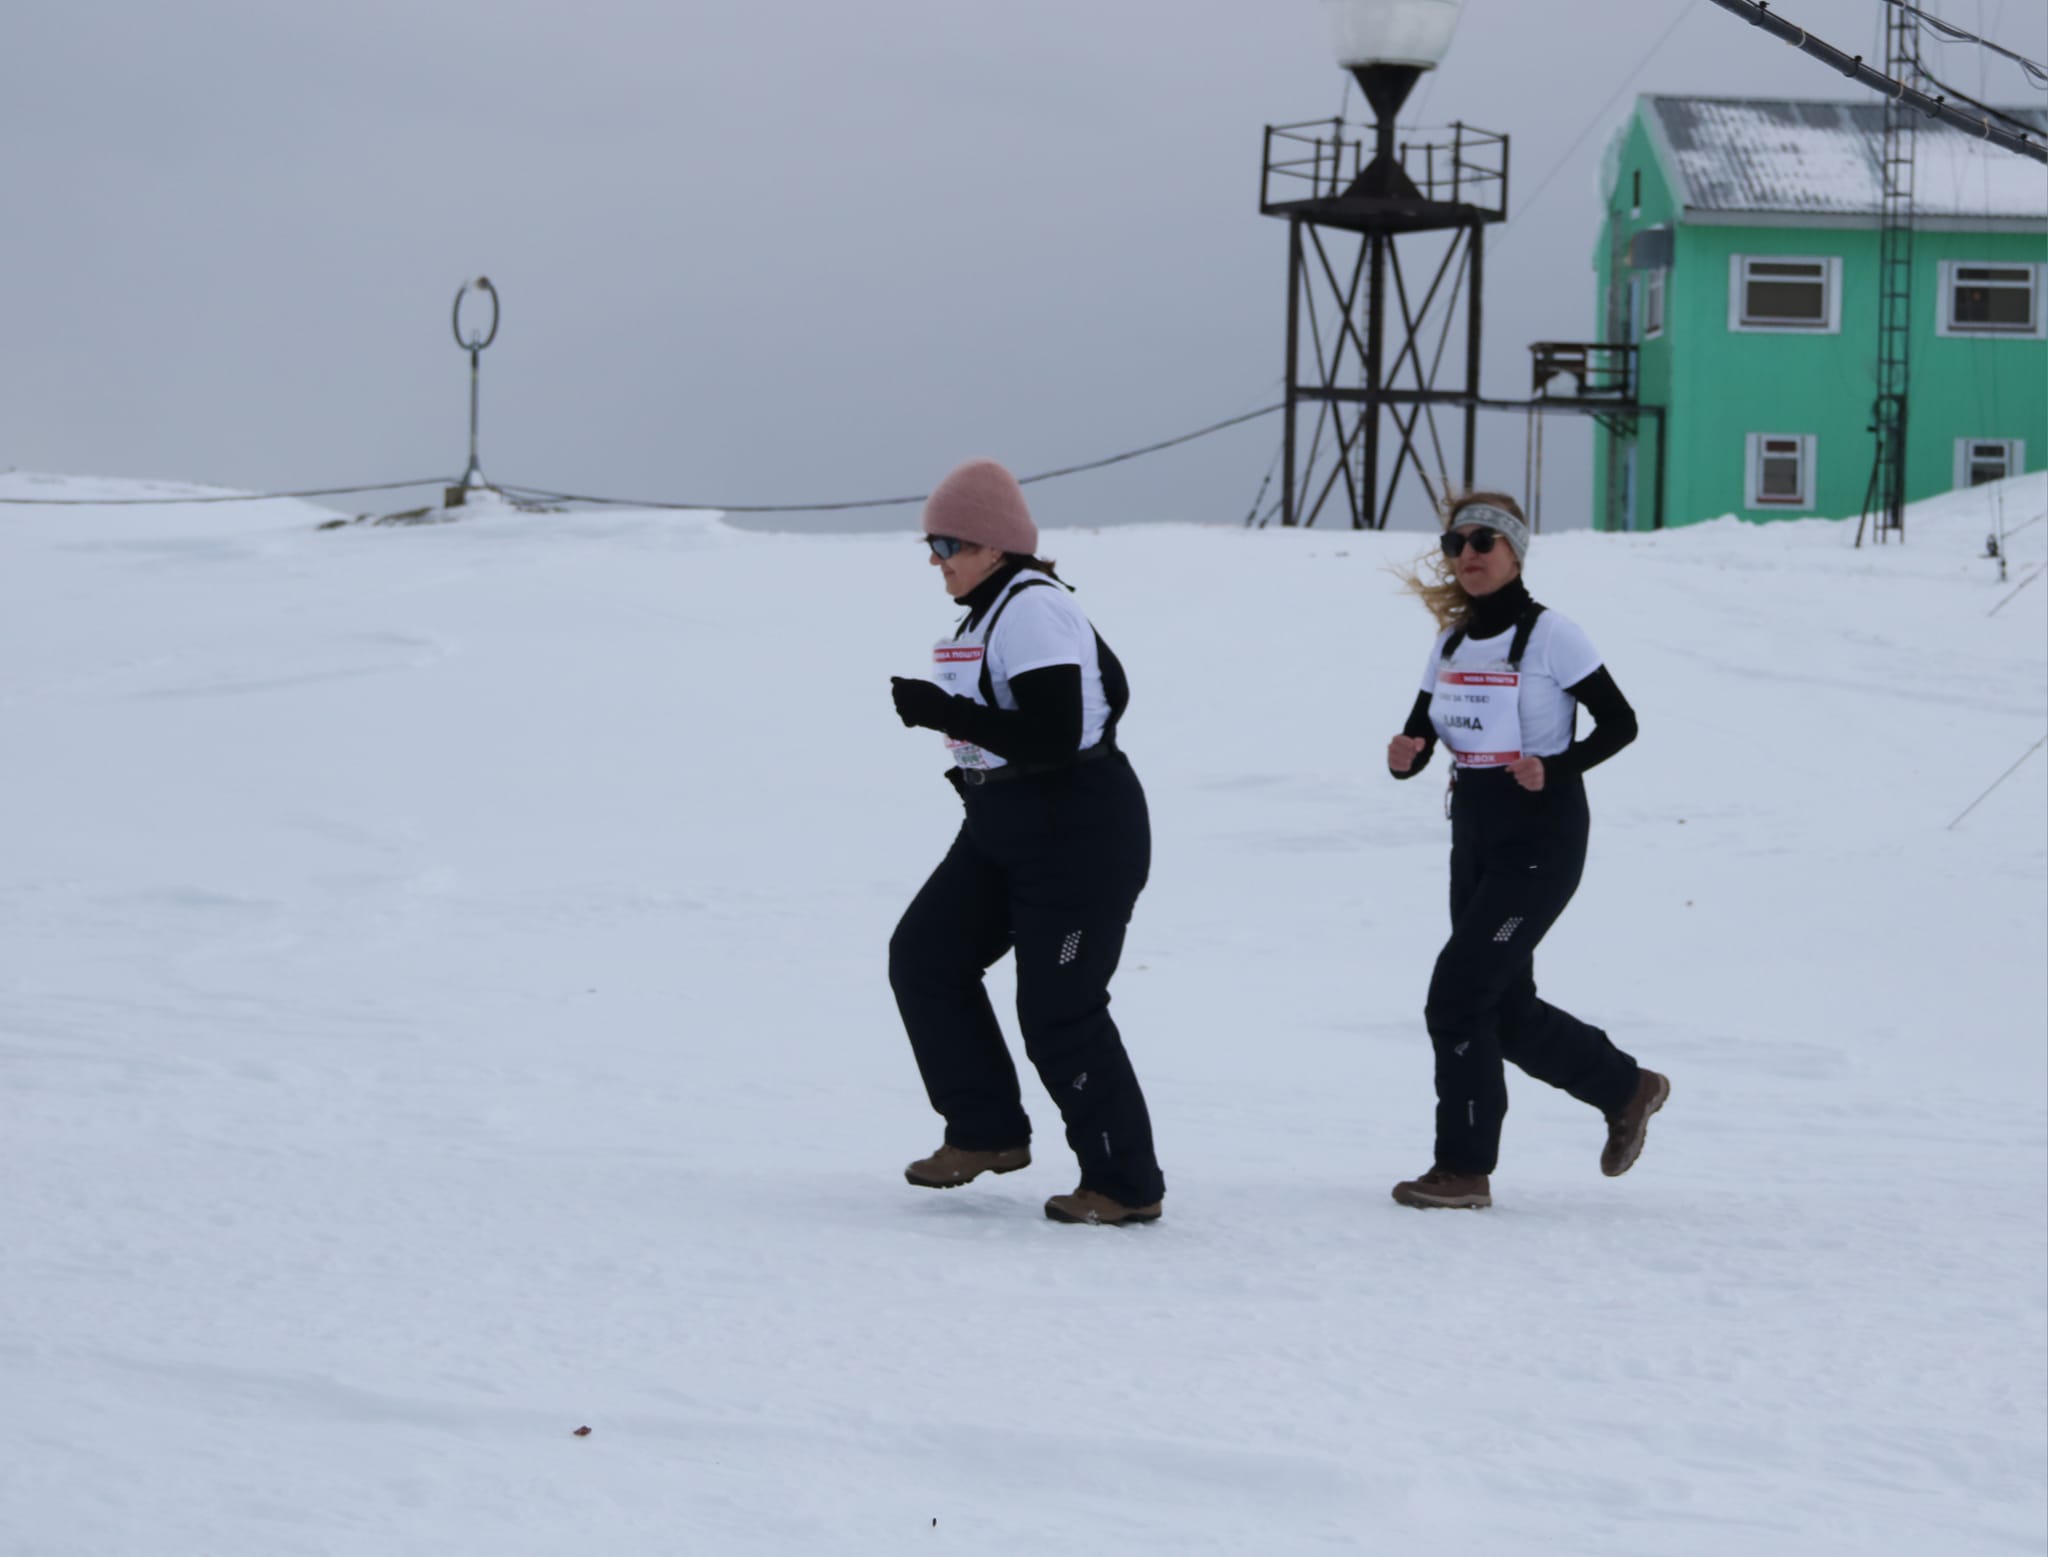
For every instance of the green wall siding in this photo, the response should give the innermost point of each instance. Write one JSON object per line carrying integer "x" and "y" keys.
{"x": 1967, "y": 388}
{"x": 1720, "y": 385}
{"x": 1654, "y": 363}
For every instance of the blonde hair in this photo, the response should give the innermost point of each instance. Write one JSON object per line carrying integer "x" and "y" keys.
{"x": 1430, "y": 577}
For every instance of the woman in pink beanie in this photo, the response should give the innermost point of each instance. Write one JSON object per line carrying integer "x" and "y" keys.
{"x": 1049, "y": 861}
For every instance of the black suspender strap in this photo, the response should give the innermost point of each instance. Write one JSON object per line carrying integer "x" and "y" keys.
{"x": 988, "y": 634}
{"x": 1518, "y": 646}
{"x": 1523, "y": 628}
{"x": 1116, "y": 685}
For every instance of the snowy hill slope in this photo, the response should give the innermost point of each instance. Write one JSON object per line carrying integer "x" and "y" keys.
{"x": 443, "y": 1006}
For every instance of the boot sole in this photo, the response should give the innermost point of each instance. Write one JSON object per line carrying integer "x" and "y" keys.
{"x": 1452, "y": 1203}
{"x": 1129, "y": 1219}
{"x": 912, "y": 1178}
{"x": 1642, "y": 1135}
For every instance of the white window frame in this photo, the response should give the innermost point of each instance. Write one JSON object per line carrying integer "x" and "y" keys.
{"x": 1753, "y": 478}
{"x": 2015, "y": 457}
{"x": 1653, "y": 305}
{"x": 1831, "y": 288}
{"x": 1945, "y": 302}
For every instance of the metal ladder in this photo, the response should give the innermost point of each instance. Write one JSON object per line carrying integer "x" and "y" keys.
{"x": 1884, "y": 502}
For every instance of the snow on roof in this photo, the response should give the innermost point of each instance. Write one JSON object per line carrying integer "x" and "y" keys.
{"x": 1823, "y": 159}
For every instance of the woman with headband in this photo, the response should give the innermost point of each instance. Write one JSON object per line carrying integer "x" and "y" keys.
{"x": 1049, "y": 861}
{"x": 1502, "y": 689}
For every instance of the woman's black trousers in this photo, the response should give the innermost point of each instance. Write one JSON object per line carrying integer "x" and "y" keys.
{"x": 1516, "y": 858}
{"x": 1048, "y": 866}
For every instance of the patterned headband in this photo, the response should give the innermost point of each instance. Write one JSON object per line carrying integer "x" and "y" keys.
{"x": 1494, "y": 518}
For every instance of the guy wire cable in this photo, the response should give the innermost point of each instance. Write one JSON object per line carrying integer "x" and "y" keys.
{"x": 1956, "y": 34}
{"x": 1983, "y": 108}
{"x": 1758, "y": 13}
{"x": 228, "y": 497}
{"x": 2039, "y": 569}
{"x": 1259, "y": 498}
{"x": 621, "y": 502}
{"x": 889, "y": 502}
{"x": 1598, "y": 117}
{"x": 2008, "y": 773}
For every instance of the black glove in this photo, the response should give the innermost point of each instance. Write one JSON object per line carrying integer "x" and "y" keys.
{"x": 919, "y": 703}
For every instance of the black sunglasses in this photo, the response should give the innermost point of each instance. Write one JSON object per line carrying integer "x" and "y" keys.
{"x": 944, "y": 546}
{"x": 1481, "y": 541}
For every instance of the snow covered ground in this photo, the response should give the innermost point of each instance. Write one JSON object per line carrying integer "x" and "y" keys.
{"x": 442, "y": 1007}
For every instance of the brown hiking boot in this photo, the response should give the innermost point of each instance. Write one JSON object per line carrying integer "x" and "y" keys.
{"x": 1625, "y": 1130}
{"x": 1438, "y": 1190}
{"x": 951, "y": 1166}
{"x": 1084, "y": 1205}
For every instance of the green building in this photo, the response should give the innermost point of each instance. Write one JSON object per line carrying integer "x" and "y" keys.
{"x": 1738, "y": 255}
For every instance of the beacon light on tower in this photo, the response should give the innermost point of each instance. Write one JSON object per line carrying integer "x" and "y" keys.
{"x": 1387, "y": 45}
{"x": 1411, "y": 33}
{"x": 1334, "y": 185}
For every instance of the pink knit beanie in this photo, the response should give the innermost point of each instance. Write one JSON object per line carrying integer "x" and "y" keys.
{"x": 981, "y": 502}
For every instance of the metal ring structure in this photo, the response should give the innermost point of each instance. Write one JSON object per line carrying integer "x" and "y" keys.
{"x": 481, "y": 284}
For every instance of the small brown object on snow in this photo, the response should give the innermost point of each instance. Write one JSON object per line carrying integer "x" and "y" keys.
{"x": 582, "y": 1432}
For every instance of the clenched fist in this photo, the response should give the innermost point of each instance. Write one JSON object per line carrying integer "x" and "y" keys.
{"x": 918, "y": 702}
{"x": 1402, "y": 751}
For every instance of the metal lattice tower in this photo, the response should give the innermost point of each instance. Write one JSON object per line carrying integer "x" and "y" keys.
{"x": 1358, "y": 322}
{"x": 1885, "y": 500}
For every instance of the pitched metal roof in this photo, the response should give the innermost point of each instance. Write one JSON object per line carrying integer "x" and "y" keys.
{"x": 1788, "y": 157}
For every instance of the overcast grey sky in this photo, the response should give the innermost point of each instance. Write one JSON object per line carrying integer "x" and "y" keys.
{"x": 756, "y": 252}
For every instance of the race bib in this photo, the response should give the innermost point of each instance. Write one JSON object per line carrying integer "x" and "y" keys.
{"x": 956, "y": 667}
{"x": 1478, "y": 715}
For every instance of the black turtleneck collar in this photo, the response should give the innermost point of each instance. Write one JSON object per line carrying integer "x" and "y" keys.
{"x": 983, "y": 595}
{"x": 1495, "y": 613}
